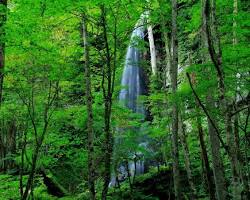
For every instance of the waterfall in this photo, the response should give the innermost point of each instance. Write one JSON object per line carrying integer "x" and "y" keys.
{"x": 133, "y": 83}
{"x": 132, "y": 78}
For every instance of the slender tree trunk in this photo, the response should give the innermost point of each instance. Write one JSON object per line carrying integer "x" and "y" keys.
{"x": 173, "y": 74}
{"x": 135, "y": 163}
{"x": 21, "y": 172}
{"x": 29, "y": 184}
{"x": 39, "y": 142}
{"x": 107, "y": 93}
{"x": 168, "y": 61}
{"x": 207, "y": 170}
{"x": 21, "y": 167}
{"x": 10, "y": 145}
{"x": 235, "y": 12}
{"x": 242, "y": 173}
{"x": 2, "y": 148}
{"x": 152, "y": 49}
{"x": 108, "y": 148}
{"x": 109, "y": 70}
{"x": 129, "y": 176}
{"x": 91, "y": 167}
{"x": 235, "y": 167}
{"x": 183, "y": 139}
{"x": 215, "y": 140}
{"x": 218, "y": 168}
{"x": 168, "y": 57}
{"x": 237, "y": 154}
{"x": 167, "y": 44}
{"x": 39, "y": 138}
{"x": 216, "y": 57}
{"x": 3, "y": 17}
{"x": 151, "y": 43}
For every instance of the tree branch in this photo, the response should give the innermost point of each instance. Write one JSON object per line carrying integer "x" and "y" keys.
{"x": 208, "y": 115}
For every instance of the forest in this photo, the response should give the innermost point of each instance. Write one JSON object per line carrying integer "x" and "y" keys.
{"x": 124, "y": 99}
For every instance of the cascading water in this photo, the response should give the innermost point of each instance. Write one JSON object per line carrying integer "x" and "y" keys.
{"x": 133, "y": 78}
{"x": 133, "y": 83}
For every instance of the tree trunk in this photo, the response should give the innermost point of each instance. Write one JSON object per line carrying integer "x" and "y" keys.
{"x": 168, "y": 60}
{"x": 215, "y": 140}
{"x": 152, "y": 49}
{"x": 91, "y": 167}
{"x": 216, "y": 57}
{"x": 218, "y": 168}
{"x": 207, "y": 170}
{"x": 29, "y": 184}
{"x": 168, "y": 56}
{"x": 242, "y": 174}
{"x": 21, "y": 166}
{"x": 167, "y": 45}
{"x": 173, "y": 74}
{"x": 3, "y": 17}
{"x": 183, "y": 138}
{"x": 108, "y": 149}
{"x": 236, "y": 139}
{"x": 235, "y": 12}
{"x": 129, "y": 176}
{"x": 39, "y": 138}
{"x": 235, "y": 167}
{"x": 11, "y": 145}
{"x": 2, "y": 148}
{"x": 107, "y": 93}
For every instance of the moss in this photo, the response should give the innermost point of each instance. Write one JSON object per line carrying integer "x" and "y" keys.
{"x": 153, "y": 185}
{"x": 9, "y": 187}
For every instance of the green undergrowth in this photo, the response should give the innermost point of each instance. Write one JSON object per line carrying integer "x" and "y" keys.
{"x": 157, "y": 184}
{"x": 9, "y": 187}
{"x": 154, "y": 185}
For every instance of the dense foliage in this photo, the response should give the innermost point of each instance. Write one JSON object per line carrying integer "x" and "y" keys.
{"x": 61, "y": 64}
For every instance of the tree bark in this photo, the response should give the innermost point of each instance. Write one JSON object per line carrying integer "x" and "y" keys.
{"x": 107, "y": 94}
{"x": 39, "y": 137}
{"x": 167, "y": 45}
{"x": 29, "y": 184}
{"x": 3, "y": 17}
{"x": 235, "y": 12}
{"x": 10, "y": 144}
{"x": 242, "y": 174}
{"x": 218, "y": 168}
{"x": 173, "y": 74}
{"x": 183, "y": 139}
{"x": 38, "y": 143}
{"x": 2, "y": 148}
{"x": 168, "y": 60}
{"x": 234, "y": 161}
{"x": 91, "y": 167}
{"x": 239, "y": 176}
{"x": 207, "y": 169}
{"x": 152, "y": 49}
{"x": 207, "y": 172}
{"x": 216, "y": 57}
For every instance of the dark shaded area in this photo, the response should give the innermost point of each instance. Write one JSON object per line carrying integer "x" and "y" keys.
{"x": 52, "y": 186}
{"x": 152, "y": 186}
{"x": 160, "y": 185}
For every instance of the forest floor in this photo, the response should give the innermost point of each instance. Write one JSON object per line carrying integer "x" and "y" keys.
{"x": 154, "y": 185}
